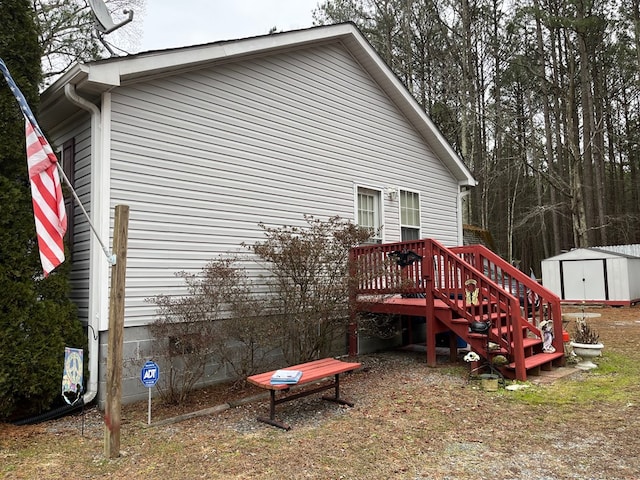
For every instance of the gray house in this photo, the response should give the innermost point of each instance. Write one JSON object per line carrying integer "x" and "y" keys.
{"x": 204, "y": 142}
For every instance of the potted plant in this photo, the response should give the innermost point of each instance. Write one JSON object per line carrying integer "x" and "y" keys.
{"x": 586, "y": 343}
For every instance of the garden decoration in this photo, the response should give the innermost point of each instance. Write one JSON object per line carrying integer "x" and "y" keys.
{"x": 72, "y": 381}
{"x": 586, "y": 343}
{"x": 489, "y": 381}
{"x": 547, "y": 337}
{"x": 471, "y": 357}
{"x": 471, "y": 292}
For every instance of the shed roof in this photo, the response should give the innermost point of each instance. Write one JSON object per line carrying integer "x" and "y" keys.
{"x": 590, "y": 253}
{"x": 631, "y": 250}
{"x": 92, "y": 79}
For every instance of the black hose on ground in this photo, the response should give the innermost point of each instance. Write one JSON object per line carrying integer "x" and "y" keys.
{"x": 51, "y": 414}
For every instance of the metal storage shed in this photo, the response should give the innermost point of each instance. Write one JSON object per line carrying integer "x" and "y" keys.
{"x": 609, "y": 275}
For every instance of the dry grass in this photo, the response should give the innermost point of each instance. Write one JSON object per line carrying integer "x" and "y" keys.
{"x": 410, "y": 421}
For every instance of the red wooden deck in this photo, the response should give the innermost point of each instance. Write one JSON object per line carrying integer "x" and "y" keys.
{"x": 415, "y": 307}
{"x": 452, "y": 288}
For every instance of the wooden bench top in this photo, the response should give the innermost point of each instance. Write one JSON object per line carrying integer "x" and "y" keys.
{"x": 311, "y": 371}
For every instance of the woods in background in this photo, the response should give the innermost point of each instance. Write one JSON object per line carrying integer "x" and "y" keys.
{"x": 540, "y": 99}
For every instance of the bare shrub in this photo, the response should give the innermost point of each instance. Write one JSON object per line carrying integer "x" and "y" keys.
{"x": 217, "y": 322}
{"x": 245, "y": 340}
{"x": 379, "y": 325}
{"x": 309, "y": 282}
{"x": 185, "y": 348}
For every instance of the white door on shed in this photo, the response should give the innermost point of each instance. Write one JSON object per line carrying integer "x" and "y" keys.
{"x": 584, "y": 280}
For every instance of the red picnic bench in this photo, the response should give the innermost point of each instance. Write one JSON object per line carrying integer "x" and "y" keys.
{"x": 311, "y": 372}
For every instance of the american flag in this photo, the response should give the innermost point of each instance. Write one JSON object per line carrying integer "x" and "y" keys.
{"x": 46, "y": 191}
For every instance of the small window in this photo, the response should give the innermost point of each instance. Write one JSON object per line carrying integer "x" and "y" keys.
{"x": 67, "y": 158}
{"x": 369, "y": 214}
{"x": 409, "y": 215}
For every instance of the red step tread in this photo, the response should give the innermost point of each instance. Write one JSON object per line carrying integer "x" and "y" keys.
{"x": 537, "y": 360}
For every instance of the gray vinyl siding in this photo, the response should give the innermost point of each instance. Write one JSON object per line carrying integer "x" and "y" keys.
{"x": 79, "y": 129}
{"x": 203, "y": 156}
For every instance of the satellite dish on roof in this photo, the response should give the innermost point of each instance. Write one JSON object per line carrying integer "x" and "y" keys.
{"x": 104, "y": 22}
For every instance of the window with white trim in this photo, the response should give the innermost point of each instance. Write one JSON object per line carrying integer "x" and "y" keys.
{"x": 369, "y": 212}
{"x": 409, "y": 215}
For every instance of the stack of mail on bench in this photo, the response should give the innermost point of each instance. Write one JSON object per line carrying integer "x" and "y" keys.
{"x": 285, "y": 377}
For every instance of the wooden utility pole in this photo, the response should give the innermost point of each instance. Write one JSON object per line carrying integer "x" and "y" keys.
{"x": 116, "y": 330}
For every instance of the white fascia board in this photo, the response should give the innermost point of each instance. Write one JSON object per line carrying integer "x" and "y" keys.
{"x": 109, "y": 76}
{"x": 74, "y": 75}
{"x": 184, "y": 58}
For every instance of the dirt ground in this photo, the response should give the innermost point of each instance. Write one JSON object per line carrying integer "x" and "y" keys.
{"x": 409, "y": 421}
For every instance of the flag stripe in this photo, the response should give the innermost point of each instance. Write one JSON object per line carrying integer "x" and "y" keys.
{"x": 48, "y": 206}
{"x": 50, "y": 254}
{"x": 46, "y": 191}
{"x": 39, "y": 153}
{"x": 48, "y": 221}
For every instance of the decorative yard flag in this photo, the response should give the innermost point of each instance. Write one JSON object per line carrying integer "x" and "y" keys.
{"x": 72, "y": 382}
{"x": 46, "y": 191}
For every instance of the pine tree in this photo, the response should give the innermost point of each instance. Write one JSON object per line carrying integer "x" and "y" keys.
{"x": 37, "y": 319}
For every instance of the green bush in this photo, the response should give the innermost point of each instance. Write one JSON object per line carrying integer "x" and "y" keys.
{"x": 37, "y": 320}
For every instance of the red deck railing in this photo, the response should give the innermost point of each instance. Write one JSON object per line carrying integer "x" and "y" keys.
{"x": 513, "y": 301}
{"x": 536, "y": 302}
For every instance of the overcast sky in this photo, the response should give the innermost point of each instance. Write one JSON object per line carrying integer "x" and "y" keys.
{"x": 178, "y": 23}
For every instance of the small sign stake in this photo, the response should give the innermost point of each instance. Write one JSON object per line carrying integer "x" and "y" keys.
{"x": 149, "y": 376}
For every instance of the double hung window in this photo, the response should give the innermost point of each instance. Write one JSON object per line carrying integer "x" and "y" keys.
{"x": 369, "y": 212}
{"x": 409, "y": 215}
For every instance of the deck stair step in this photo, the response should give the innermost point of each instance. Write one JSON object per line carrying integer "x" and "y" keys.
{"x": 530, "y": 342}
{"x": 538, "y": 360}
{"x": 459, "y": 321}
{"x": 443, "y": 277}
{"x": 479, "y": 336}
{"x": 526, "y": 341}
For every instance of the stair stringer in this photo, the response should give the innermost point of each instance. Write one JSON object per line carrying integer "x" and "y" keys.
{"x": 514, "y": 337}
{"x": 440, "y": 275}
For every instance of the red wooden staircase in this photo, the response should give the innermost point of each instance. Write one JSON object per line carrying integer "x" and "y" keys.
{"x": 423, "y": 278}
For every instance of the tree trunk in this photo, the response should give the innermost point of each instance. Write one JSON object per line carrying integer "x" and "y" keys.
{"x": 578, "y": 213}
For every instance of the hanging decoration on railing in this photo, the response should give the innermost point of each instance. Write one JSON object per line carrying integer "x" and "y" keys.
{"x": 471, "y": 292}
{"x": 404, "y": 258}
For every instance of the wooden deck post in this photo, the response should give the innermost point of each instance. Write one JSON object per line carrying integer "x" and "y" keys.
{"x": 116, "y": 329}
{"x": 354, "y": 281}
{"x": 427, "y": 278}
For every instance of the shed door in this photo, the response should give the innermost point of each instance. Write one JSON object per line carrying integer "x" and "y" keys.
{"x": 584, "y": 280}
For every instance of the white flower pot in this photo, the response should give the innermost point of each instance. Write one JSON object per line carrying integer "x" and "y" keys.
{"x": 587, "y": 351}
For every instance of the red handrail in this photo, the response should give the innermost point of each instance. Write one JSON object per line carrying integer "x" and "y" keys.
{"x": 537, "y": 302}
{"x": 440, "y": 273}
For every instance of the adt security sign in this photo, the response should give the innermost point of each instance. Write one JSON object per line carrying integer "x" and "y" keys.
{"x": 150, "y": 374}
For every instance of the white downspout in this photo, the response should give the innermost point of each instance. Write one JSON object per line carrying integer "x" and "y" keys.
{"x": 94, "y": 276}
{"x": 461, "y": 195}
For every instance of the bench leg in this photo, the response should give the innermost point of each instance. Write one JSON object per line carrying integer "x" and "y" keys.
{"x": 272, "y": 414}
{"x": 336, "y": 398}
{"x": 273, "y": 401}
